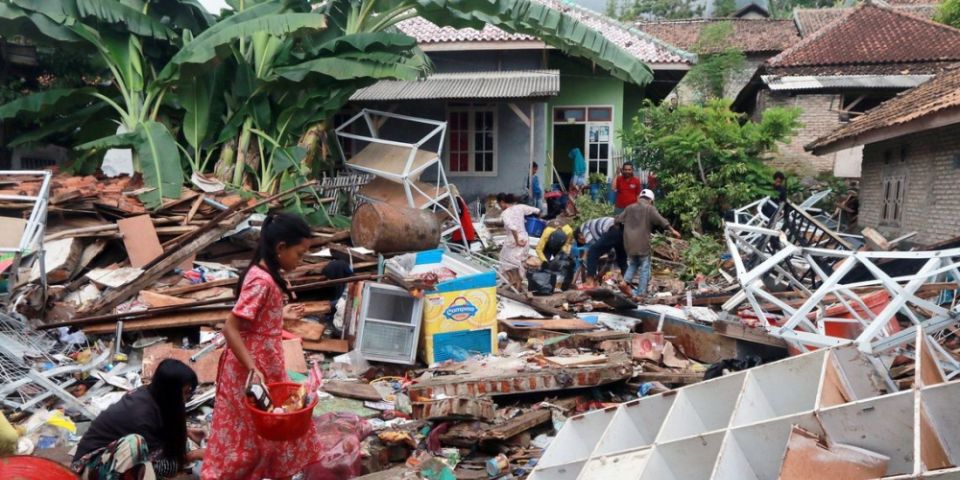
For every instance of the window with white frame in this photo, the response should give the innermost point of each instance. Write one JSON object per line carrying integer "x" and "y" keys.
{"x": 893, "y": 191}
{"x": 472, "y": 144}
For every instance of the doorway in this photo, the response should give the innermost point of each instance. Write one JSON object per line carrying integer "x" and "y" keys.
{"x": 566, "y": 137}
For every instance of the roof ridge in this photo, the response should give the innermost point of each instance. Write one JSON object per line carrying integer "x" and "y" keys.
{"x": 626, "y": 27}
{"x": 843, "y": 18}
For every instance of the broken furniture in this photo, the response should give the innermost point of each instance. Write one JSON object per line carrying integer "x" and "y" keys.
{"x": 397, "y": 166}
{"x": 738, "y": 426}
{"x": 23, "y": 239}
{"x": 868, "y": 308}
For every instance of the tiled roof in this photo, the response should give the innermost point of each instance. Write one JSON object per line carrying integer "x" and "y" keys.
{"x": 941, "y": 93}
{"x": 749, "y": 35}
{"x": 873, "y": 34}
{"x": 468, "y": 85}
{"x": 639, "y": 44}
{"x": 809, "y": 20}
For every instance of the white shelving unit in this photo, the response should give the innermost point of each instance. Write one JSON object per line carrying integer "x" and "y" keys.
{"x": 737, "y": 427}
{"x": 397, "y": 166}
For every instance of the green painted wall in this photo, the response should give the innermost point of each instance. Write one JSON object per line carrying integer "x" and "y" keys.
{"x": 581, "y": 85}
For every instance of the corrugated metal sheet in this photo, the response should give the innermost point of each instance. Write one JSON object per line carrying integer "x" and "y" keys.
{"x": 470, "y": 85}
{"x": 809, "y": 82}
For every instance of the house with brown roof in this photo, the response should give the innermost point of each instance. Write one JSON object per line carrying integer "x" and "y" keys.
{"x": 911, "y": 161}
{"x": 509, "y": 99}
{"x": 758, "y": 38}
{"x": 858, "y": 60}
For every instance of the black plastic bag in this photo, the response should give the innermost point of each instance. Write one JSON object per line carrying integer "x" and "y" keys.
{"x": 562, "y": 266}
{"x": 729, "y": 365}
{"x": 541, "y": 282}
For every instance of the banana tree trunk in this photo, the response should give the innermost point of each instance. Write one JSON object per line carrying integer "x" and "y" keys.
{"x": 314, "y": 142}
{"x": 223, "y": 170}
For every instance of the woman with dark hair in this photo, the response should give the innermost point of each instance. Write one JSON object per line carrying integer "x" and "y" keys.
{"x": 144, "y": 435}
{"x": 253, "y": 332}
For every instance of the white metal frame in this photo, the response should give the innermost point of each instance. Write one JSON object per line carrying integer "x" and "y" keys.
{"x": 801, "y": 330}
{"x": 31, "y": 243}
{"x": 408, "y": 175}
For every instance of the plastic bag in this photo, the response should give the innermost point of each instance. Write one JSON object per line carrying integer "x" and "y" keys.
{"x": 541, "y": 282}
{"x": 563, "y": 267}
{"x": 340, "y": 436}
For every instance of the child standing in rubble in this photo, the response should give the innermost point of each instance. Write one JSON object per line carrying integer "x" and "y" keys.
{"x": 253, "y": 333}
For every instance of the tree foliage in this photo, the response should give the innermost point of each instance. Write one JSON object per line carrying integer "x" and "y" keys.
{"x": 949, "y": 13}
{"x": 724, "y": 8}
{"x": 783, "y": 9}
{"x": 631, "y": 10}
{"x": 708, "y": 158}
{"x": 717, "y": 60}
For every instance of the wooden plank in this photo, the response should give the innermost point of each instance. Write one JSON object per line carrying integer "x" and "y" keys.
{"x": 306, "y": 330}
{"x": 205, "y": 367}
{"x": 193, "y": 318}
{"x": 156, "y": 300}
{"x": 293, "y": 357}
{"x": 740, "y": 331}
{"x": 355, "y": 390}
{"x": 331, "y": 345}
{"x": 516, "y": 425}
{"x": 140, "y": 240}
{"x": 556, "y": 325}
{"x": 669, "y": 377}
{"x": 226, "y": 282}
{"x": 576, "y": 360}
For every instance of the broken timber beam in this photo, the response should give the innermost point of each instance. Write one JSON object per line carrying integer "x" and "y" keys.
{"x": 619, "y": 367}
{"x": 516, "y": 425}
{"x": 535, "y": 304}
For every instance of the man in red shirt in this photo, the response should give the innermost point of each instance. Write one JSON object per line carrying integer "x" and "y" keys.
{"x": 627, "y": 188}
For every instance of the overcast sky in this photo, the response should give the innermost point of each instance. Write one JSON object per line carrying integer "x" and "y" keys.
{"x": 214, "y": 5}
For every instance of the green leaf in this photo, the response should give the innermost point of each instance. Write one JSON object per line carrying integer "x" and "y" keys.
{"x": 121, "y": 16}
{"x": 287, "y": 158}
{"x": 16, "y": 21}
{"x": 160, "y": 162}
{"x": 349, "y": 69}
{"x": 78, "y": 121}
{"x": 196, "y": 99}
{"x": 261, "y": 18}
{"x": 46, "y": 103}
{"x": 120, "y": 140}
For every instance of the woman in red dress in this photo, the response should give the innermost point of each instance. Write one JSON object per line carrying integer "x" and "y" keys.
{"x": 235, "y": 450}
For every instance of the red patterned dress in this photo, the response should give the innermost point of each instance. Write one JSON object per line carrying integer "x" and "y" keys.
{"x": 235, "y": 451}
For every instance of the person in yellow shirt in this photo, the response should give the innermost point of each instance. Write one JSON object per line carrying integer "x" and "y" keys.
{"x": 555, "y": 240}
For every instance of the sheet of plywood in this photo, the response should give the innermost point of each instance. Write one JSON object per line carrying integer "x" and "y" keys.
{"x": 205, "y": 367}
{"x": 140, "y": 239}
{"x": 806, "y": 453}
{"x": 293, "y": 357}
{"x": 356, "y": 390}
{"x": 306, "y": 330}
{"x": 155, "y": 300}
{"x": 558, "y": 324}
{"x": 576, "y": 360}
{"x": 331, "y": 345}
{"x": 929, "y": 370}
{"x": 932, "y": 451}
{"x": 61, "y": 259}
{"x": 11, "y": 231}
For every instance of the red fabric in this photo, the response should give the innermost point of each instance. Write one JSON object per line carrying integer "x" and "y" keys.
{"x": 466, "y": 222}
{"x": 235, "y": 451}
{"x": 628, "y": 189}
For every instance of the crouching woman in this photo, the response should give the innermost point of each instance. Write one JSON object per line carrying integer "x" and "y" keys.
{"x": 144, "y": 435}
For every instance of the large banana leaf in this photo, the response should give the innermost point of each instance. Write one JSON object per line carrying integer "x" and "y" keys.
{"x": 123, "y": 17}
{"x": 552, "y": 26}
{"x": 263, "y": 18}
{"x": 348, "y": 69}
{"x": 45, "y": 103}
{"x": 158, "y": 156}
{"x": 17, "y": 21}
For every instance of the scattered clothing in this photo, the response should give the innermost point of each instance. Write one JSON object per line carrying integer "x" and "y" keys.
{"x": 627, "y": 191}
{"x": 235, "y": 450}
{"x": 124, "y": 458}
{"x": 135, "y": 417}
{"x": 512, "y": 255}
{"x": 593, "y": 229}
{"x": 466, "y": 221}
{"x": 638, "y": 221}
{"x": 553, "y": 241}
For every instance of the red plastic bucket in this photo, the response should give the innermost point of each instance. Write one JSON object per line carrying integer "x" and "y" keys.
{"x": 23, "y": 467}
{"x": 281, "y": 426}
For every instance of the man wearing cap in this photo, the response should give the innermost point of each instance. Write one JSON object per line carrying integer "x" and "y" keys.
{"x": 638, "y": 221}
